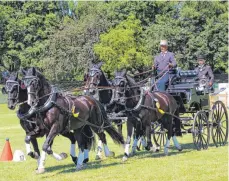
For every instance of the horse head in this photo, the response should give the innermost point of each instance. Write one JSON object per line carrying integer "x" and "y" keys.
{"x": 15, "y": 89}
{"x": 120, "y": 84}
{"x": 37, "y": 86}
{"x": 95, "y": 78}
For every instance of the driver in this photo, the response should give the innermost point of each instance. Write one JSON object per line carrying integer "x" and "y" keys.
{"x": 162, "y": 63}
{"x": 204, "y": 71}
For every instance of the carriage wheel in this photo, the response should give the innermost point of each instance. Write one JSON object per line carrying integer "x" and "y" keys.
{"x": 159, "y": 135}
{"x": 219, "y": 124}
{"x": 201, "y": 130}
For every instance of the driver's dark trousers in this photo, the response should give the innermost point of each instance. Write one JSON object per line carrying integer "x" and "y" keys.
{"x": 160, "y": 85}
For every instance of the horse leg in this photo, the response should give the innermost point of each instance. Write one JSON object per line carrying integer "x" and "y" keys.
{"x": 137, "y": 136}
{"x": 128, "y": 139}
{"x": 53, "y": 132}
{"x": 71, "y": 137}
{"x": 81, "y": 146}
{"x": 107, "y": 152}
{"x": 89, "y": 136}
{"x": 36, "y": 153}
{"x": 99, "y": 150}
{"x": 177, "y": 131}
{"x": 168, "y": 121}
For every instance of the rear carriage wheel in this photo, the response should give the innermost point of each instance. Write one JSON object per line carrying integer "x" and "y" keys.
{"x": 159, "y": 135}
{"x": 219, "y": 124}
{"x": 201, "y": 130}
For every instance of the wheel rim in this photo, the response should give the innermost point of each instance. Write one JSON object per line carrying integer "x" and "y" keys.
{"x": 219, "y": 124}
{"x": 200, "y": 131}
{"x": 159, "y": 136}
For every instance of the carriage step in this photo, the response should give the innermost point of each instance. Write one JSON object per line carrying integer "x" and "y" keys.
{"x": 186, "y": 119}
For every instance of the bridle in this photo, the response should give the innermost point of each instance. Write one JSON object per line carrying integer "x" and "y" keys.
{"x": 10, "y": 86}
{"x": 35, "y": 81}
{"x": 117, "y": 83}
{"x": 92, "y": 73}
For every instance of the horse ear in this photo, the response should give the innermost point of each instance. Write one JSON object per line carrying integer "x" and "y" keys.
{"x": 16, "y": 75}
{"x": 4, "y": 90}
{"x": 23, "y": 71}
{"x": 124, "y": 72}
{"x": 99, "y": 65}
{"x": 34, "y": 71}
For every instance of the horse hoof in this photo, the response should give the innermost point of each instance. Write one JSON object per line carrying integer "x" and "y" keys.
{"x": 111, "y": 154}
{"x": 157, "y": 149}
{"x": 180, "y": 149}
{"x": 86, "y": 160}
{"x": 132, "y": 153}
{"x": 124, "y": 159}
{"x": 98, "y": 157}
{"x": 40, "y": 170}
{"x": 63, "y": 156}
{"x": 80, "y": 167}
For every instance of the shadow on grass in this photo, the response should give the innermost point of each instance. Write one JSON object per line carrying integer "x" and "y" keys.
{"x": 69, "y": 168}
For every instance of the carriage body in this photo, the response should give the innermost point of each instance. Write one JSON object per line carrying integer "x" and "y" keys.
{"x": 196, "y": 115}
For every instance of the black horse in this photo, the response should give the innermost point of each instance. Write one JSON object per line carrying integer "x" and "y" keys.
{"x": 95, "y": 78}
{"x": 141, "y": 110}
{"x": 17, "y": 93}
{"x": 62, "y": 113}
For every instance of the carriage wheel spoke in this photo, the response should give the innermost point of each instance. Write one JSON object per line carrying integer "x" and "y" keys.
{"x": 223, "y": 132}
{"x": 205, "y": 140}
{"x": 217, "y": 135}
{"x": 158, "y": 138}
{"x": 221, "y": 117}
{"x": 202, "y": 142}
{"x": 220, "y": 141}
{"x": 161, "y": 139}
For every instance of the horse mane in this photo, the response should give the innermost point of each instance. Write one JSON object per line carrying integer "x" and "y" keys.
{"x": 104, "y": 79}
{"x": 46, "y": 87}
{"x": 130, "y": 80}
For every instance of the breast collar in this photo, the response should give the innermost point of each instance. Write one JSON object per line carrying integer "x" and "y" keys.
{"x": 34, "y": 110}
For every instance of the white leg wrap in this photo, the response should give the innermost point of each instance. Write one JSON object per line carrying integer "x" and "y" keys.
{"x": 28, "y": 148}
{"x": 177, "y": 145}
{"x": 166, "y": 149}
{"x": 80, "y": 159}
{"x": 106, "y": 150}
{"x": 143, "y": 141}
{"x": 127, "y": 149}
{"x": 86, "y": 153}
{"x": 42, "y": 160}
{"x": 72, "y": 150}
{"x": 57, "y": 156}
{"x": 135, "y": 144}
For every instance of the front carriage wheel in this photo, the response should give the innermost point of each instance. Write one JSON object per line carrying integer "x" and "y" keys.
{"x": 159, "y": 135}
{"x": 219, "y": 124}
{"x": 201, "y": 130}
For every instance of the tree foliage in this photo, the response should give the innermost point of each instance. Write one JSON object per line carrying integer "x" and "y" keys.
{"x": 64, "y": 37}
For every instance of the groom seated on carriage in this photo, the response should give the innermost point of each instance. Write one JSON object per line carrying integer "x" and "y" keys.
{"x": 204, "y": 73}
{"x": 162, "y": 63}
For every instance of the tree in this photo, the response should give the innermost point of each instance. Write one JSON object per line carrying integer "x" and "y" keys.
{"x": 122, "y": 46}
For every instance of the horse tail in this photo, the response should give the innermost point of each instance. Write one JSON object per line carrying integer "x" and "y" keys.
{"x": 88, "y": 136}
{"x": 108, "y": 127}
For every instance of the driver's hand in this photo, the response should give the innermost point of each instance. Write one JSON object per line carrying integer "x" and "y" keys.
{"x": 153, "y": 67}
{"x": 170, "y": 65}
{"x": 210, "y": 84}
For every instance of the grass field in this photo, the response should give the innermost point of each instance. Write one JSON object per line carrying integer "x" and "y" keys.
{"x": 211, "y": 164}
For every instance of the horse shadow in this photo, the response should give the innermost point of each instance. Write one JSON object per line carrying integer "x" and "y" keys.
{"x": 69, "y": 168}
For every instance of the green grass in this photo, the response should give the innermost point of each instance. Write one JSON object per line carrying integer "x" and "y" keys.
{"x": 211, "y": 164}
